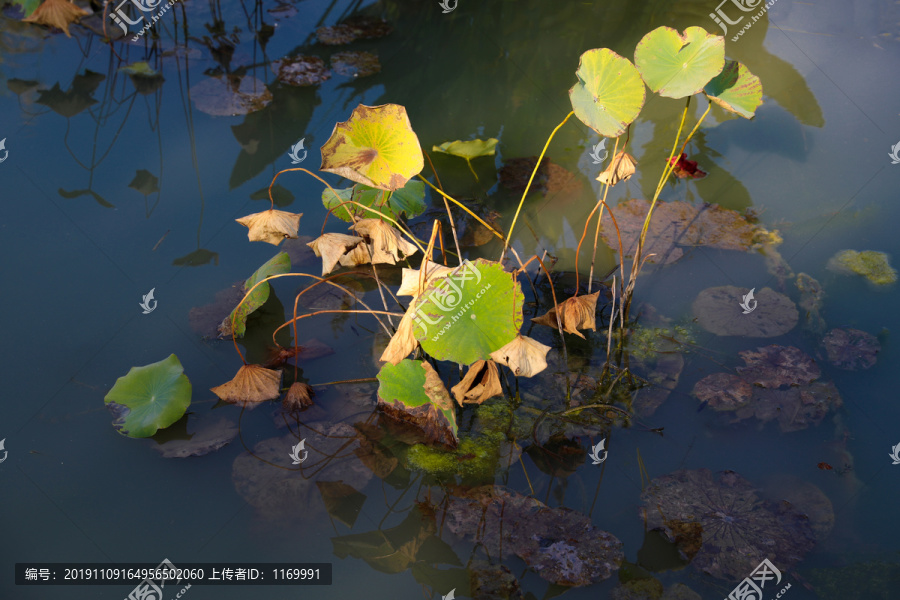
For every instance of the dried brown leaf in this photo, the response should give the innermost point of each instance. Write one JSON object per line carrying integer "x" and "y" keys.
{"x": 57, "y": 13}
{"x": 331, "y": 247}
{"x": 409, "y": 286}
{"x": 251, "y": 385}
{"x": 775, "y": 366}
{"x": 271, "y": 226}
{"x": 402, "y": 342}
{"x": 578, "y": 312}
{"x": 482, "y": 381}
{"x": 525, "y": 356}
{"x": 298, "y": 397}
{"x": 620, "y": 168}
{"x": 387, "y": 244}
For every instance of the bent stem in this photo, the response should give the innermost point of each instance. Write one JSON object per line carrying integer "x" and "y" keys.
{"x": 530, "y": 179}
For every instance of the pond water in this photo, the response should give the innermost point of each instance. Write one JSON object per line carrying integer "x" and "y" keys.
{"x": 114, "y": 185}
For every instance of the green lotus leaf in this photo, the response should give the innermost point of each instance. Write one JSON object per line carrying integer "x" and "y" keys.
{"x": 412, "y": 392}
{"x": 408, "y": 200}
{"x": 277, "y": 265}
{"x": 375, "y": 147}
{"x": 609, "y": 94}
{"x": 676, "y": 65}
{"x": 468, "y": 149}
{"x": 736, "y": 89}
{"x": 468, "y": 313}
{"x": 149, "y": 398}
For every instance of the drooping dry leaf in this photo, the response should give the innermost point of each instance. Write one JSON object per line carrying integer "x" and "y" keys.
{"x": 298, "y": 397}
{"x": 331, "y": 247}
{"x": 57, "y": 13}
{"x": 403, "y": 341}
{"x": 252, "y": 384}
{"x": 525, "y": 356}
{"x": 578, "y": 312}
{"x": 271, "y": 226}
{"x": 409, "y": 286}
{"x": 776, "y": 366}
{"x": 360, "y": 254}
{"x": 435, "y": 389}
{"x": 388, "y": 245}
{"x": 620, "y": 168}
{"x": 481, "y": 382}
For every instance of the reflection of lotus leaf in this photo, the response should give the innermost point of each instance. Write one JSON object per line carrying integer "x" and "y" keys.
{"x": 851, "y": 349}
{"x": 718, "y": 311}
{"x": 560, "y": 544}
{"x": 739, "y": 529}
{"x": 676, "y": 224}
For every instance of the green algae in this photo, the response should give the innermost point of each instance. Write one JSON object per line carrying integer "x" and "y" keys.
{"x": 646, "y": 343}
{"x": 474, "y": 458}
{"x": 874, "y": 266}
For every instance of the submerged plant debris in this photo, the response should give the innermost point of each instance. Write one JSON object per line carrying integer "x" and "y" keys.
{"x": 874, "y": 266}
{"x": 718, "y": 310}
{"x": 301, "y": 70}
{"x": 230, "y": 96}
{"x": 355, "y": 64}
{"x": 851, "y": 349}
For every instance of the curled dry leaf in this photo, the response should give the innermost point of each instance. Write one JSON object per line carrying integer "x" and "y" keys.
{"x": 271, "y": 226}
{"x": 724, "y": 391}
{"x": 409, "y": 286}
{"x": 403, "y": 341}
{"x": 578, "y": 312}
{"x": 331, "y": 247}
{"x": 525, "y": 356}
{"x": 387, "y": 244}
{"x": 620, "y": 168}
{"x": 482, "y": 381}
{"x": 298, "y": 397}
{"x": 776, "y": 366}
{"x": 851, "y": 349}
{"x": 57, "y": 13}
{"x": 252, "y": 384}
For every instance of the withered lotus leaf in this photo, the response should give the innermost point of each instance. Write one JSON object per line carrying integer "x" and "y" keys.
{"x": 724, "y": 391}
{"x": 402, "y": 342}
{"x": 482, "y": 381}
{"x": 851, "y": 349}
{"x": 776, "y": 366}
{"x": 331, "y": 247}
{"x": 57, "y": 13}
{"x": 525, "y": 356}
{"x": 578, "y": 312}
{"x": 252, "y": 384}
{"x": 409, "y": 286}
{"x": 298, "y": 397}
{"x": 620, "y": 168}
{"x": 271, "y": 226}
{"x": 387, "y": 244}
{"x": 412, "y": 395}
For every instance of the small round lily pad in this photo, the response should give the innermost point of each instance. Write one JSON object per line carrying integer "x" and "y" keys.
{"x": 718, "y": 310}
{"x": 149, "y": 398}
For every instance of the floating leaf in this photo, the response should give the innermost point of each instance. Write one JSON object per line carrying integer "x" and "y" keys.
{"x": 376, "y": 147}
{"x": 795, "y": 408}
{"x": 679, "y": 65}
{"x": 736, "y": 89}
{"x": 560, "y": 544}
{"x": 277, "y": 265}
{"x": 482, "y": 382}
{"x": 145, "y": 182}
{"x": 577, "y": 312}
{"x": 251, "y": 385}
{"x": 141, "y": 69}
{"x": 851, "y": 349}
{"x": 211, "y": 435}
{"x": 271, "y": 226}
{"x": 718, "y": 311}
{"x": 676, "y": 224}
{"x": 776, "y": 366}
{"x": 525, "y": 356}
{"x": 355, "y": 64}
{"x": 149, "y": 398}
{"x": 331, "y": 247}
{"x": 874, "y": 266}
{"x": 230, "y": 96}
{"x": 57, "y": 13}
{"x": 301, "y": 70}
{"x": 412, "y": 393}
{"x": 609, "y": 94}
{"x": 20, "y": 86}
{"x": 469, "y": 313}
{"x": 738, "y": 528}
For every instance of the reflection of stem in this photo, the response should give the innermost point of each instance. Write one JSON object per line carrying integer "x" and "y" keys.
{"x": 559, "y": 326}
